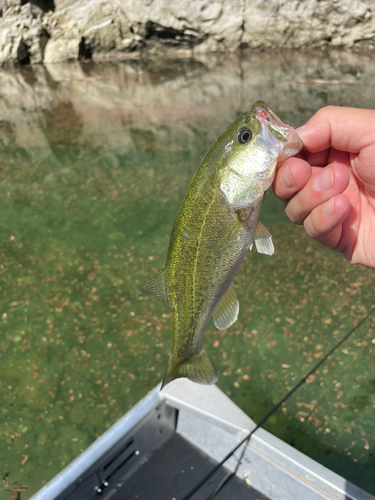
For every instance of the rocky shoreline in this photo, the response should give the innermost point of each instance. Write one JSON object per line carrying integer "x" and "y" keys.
{"x": 53, "y": 31}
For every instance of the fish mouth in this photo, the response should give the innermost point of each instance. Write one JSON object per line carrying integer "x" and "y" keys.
{"x": 290, "y": 142}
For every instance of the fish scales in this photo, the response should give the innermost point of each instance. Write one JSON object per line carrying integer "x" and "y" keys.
{"x": 198, "y": 275}
{"x": 215, "y": 226}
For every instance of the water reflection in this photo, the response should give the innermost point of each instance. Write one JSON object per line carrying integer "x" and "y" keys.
{"x": 95, "y": 159}
{"x": 171, "y": 100}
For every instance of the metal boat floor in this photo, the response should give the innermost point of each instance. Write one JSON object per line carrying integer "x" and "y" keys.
{"x": 173, "y": 471}
{"x": 168, "y": 444}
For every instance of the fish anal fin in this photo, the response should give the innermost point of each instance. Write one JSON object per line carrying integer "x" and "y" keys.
{"x": 263, "y": 240}
{"x": 155, "y": 287}
{"x": 226, "y": 311}
{"x": 197, "y": 368}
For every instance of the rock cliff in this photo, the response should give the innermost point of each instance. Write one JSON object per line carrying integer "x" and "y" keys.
{"x": 60, "y": 30}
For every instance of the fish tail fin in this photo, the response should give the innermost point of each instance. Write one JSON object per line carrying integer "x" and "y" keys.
{"x": 197, "y": 368}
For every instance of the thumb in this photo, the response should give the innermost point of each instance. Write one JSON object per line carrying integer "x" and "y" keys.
{"x": 363, "y": 165}
{"x": 345, "y": 129}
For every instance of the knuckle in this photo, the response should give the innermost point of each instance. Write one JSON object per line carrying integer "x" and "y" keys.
{"x": 310, "y": 227}
{"x": 316, "y": 229}
{"x": 293, "y": 211}
{"x": 293, "y": 217}
{"x": 323, "y": 113}
{"x": 280, "y": 193}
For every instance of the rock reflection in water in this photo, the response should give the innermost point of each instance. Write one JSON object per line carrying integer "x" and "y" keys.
{"x": 172, "y": 100}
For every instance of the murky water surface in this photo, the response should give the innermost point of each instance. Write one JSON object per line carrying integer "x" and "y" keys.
{"x": 95, "y": 160}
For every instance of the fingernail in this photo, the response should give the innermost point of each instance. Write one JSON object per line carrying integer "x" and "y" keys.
{"x": 286, "y": 178}
{"x": 323, "y": 181}
{"x": 329, "y": 207}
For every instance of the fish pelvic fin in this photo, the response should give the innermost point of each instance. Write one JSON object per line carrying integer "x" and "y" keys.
{"x": 155, "y": 287}
{"x": 263, "y": 240}
{"x": 226, "y": 311}
{"x": 197, "y": 368}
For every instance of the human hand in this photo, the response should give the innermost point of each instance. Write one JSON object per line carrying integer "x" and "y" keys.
{"x": 330, "y": 187}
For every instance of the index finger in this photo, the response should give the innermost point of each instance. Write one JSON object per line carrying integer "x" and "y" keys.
{"x": 345, "y": 129}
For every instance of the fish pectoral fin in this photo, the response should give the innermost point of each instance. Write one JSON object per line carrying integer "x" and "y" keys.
{"x": 155, "y": 287}
{"x": 263, "y": 240}
{"x": 197, "y": 368}
{"x": 226, "y": 311}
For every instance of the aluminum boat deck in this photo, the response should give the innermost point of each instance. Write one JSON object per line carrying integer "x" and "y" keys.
{"x": 171, "y": 440}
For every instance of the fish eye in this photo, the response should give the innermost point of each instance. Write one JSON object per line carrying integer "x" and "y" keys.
{"x": 244, "y": 135}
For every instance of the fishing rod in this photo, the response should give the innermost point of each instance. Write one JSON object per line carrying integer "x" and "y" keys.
{"x": 246, "y": 439}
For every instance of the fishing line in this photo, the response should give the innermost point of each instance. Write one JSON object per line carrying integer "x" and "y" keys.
{"x": 264, "y": 419}
{"x": 277, "y": 406}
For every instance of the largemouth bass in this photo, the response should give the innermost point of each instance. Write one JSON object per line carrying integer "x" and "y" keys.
{"x": 216, "y": 225}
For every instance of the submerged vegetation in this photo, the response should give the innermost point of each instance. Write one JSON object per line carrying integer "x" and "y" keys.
{"x": 95, "y": 160}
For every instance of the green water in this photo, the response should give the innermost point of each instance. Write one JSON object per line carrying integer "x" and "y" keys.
{"x": 94, "y": 163}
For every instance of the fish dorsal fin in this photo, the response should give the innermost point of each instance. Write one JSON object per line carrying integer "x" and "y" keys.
{"x": 263, "y": 240}
{"x": 226, "y": 311}
{"x": 155, "y": 287}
